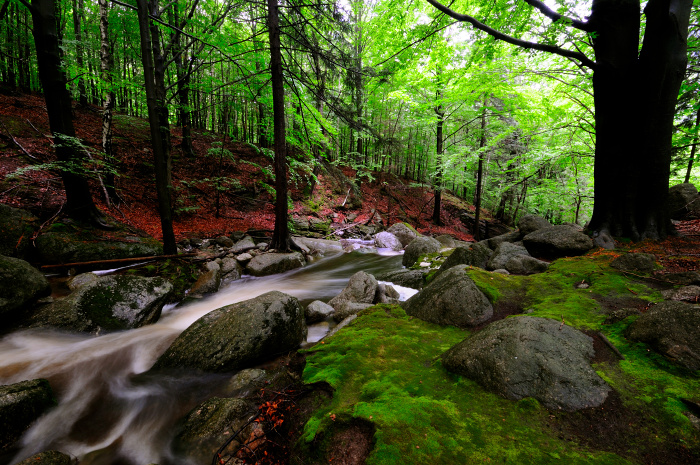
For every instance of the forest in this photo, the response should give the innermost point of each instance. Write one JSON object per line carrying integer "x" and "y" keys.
{"x": 349, "y": 231}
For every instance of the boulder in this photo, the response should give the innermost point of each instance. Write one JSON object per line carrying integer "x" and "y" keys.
{"x": 387, "y": 240}
{"x": 16, "y": 229}
{"x": 346, "y": 309}
{"x": 243, "y": 245}
{"x": 209, "y": 281}
{"x": 447, "y": 241}
{"x": 210, "y": 424}
{"x": 415, "y": 279}
{"x": 273, "y": 263}
{"x": 452, "y": 298}
{"x": 224, "y": 241}
{"x": 20, "y": 405}
{"x": 524, "y": 264}
{"x": 477, "y": 255}
{"x": 318, "y": 311}
{"x": 50, "y": 457}
{"x": 361, "y": 289}
{"x": 635, "y": 263}
{"x": 403, "y": 232}
{"x": 341, "y": 325}
{"x": 80, "y": 280}
{"x": 231, "y": 269}
{"x": 109, "y": 303}
{"x": 386, "y": 294}
{"x": 419, "y": 246}
{"x": 504, "y": 252}
{"x": 531, "y": 223}
{"x": 683, "y": 202}
{"x": 604, "y": 240}
{"x": 67, "y": 247}
{"x": 673, "y": 330}
{"x": 684, "y": 278}
{"x": 239, "y": 335}
{"x": 557, "y": 241}
{"x": 244, "y": 382}
{"x": 512, "y": 236}
{"x": 20, "y": 286}
{"x": 531, "y": 357}
{"x": 684, "y": 294}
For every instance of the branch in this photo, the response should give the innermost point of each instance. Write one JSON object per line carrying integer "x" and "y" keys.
{"x": 512, "y": 40}
{"x": 554, "y": 16}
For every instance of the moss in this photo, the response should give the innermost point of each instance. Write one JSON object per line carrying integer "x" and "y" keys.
{"x": 385, "y": 368}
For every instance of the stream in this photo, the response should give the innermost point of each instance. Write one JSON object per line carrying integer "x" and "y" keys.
{"x": 110, "y": 409}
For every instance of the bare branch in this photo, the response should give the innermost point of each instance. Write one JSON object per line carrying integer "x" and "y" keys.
{"x": 554, "y": 16}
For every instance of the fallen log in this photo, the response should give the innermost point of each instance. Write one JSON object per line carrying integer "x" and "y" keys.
{"x": 114, "y": 261}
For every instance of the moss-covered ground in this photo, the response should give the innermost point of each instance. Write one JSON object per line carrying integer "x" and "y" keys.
{"x": 385, "y": 368}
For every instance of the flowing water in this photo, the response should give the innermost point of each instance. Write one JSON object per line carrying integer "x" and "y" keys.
{"x": 110, "y": 409}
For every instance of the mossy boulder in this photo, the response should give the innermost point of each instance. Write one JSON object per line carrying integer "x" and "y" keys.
{"x": 109, "y": 303}
{"x": 672, "y": 329}
{"x": 346, "y": 309}
{"x": 635, "y": 263}
{"x": 361, "y": 289}
{"x": 209, "y": 425}
{"x": 50, "y": 457}
{"x": 531, "y": 357}
{"x": 419, "y": 246}
{"x": 404, "y": 232}
{"x": 525, "y": 264}
{"x": 452, "y": 298}
{"x": 67, "y": 247}
{"x": 16, "y": 229}
{"x": 20, "y": 285}
{"x": 273, "y": 263}
{"x": 239, "y": 335}
{"x": 557, "y": 241}
{"x": 20, "y": 405}
{"x": 477, "y": 255}
{"x": 504, "y": 252}
{"x": 447, "y": 241}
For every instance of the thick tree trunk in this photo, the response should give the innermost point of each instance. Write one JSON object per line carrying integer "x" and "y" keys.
{"x": 635, "y": 98}
{"x": 280, "y": 237}
{"x": 79, "y": 204}
{"x": 160, "y": 130}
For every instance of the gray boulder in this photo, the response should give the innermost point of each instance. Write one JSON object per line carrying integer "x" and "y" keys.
{"x": 683, "y": 202}
{"x": 531, "y": 357}
{"x": 415, "y": 279}
{"x": 386, "y": 294}
{"x": 341, "y": 325}
{"x": 673, "y": 330}
{"x": 403, "y": 232}
{"x": 211, "y": 424}
{"x": 20, "y": 405}
{"x": 20, "y": 286}
{"x": 346, "y": 309}
{"x": 67, "y": 247}
{"x": 318, "y": 311}
{"x": 531, "y": 223}
{"x": 447, "y": 241}
{"x": 452, "y": 298}
{"x": 16, "y": 229}
{"x": 419, "y": 246}
{"x": 684, "y": 294}
{"x": 244, "y": 382}
{"x": 477, "y": 255}
{"x": 635, "y": 263}
{"x": 361, "y": 289}
{"x": 81, "y": 280}
{"x": 208, "y": 282}
{"x": 557, "y": 241}
{"x": 239, "y": 335}
{"x": 231, "y": 269}
{"x": 504, "y": 252}
{"x": 524, "y": 264}
{"x": 273, "y": 263}
{"x": 387, "y": 240}
{"x": 311, "y": 246}
{"x": 224, "y": 241}
{"x": 243, "y": 245}
{"x": 109, "y": 303}
{"x": 512, "y": 236}
{"x": 50, "y": 457}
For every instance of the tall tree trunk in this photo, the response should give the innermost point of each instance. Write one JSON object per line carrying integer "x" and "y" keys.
{"x": 79, "y": 204}
{"x": 691, "y": 160}
{"x": 635, "y": 97}
{"x": 158, "y": 122}
{"x": 280, "y": 237}
{"x": 440, "y": 112}
{"x": 77, "y": 13}
{"x": 106, "y": 69}
{"x": 479, "y": 174}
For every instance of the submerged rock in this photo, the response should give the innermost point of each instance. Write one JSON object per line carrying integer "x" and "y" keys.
{"x": 239, "y": 335}
{"x": 20, "y": 286}
{"x": 531, "y": 357}
{"x": 108, "y": 303}
{"x": 20, "y": 405}
{"x": 452, "y": 298}
{"x": 673, "y": 330}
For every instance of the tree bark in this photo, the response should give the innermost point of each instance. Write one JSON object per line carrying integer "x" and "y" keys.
{"x": 158, "y": 122}
{"x": 479, "y": 173}
{"x": 694, "y": 148}
{"x": 106, "y": 69}
{"x": 440, "y": 112}
{"x": 77, "y": 13}
{"x": 280, "y": 237}
{"x": 79, "y": 204}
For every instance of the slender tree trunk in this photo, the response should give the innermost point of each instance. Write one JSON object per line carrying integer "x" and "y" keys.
{"x": 77, "y": 13}
{"x": 440, "y": 112}
{"x": 691, "y": 160}
{"x": 158, "y": 121}
{"x": 479, "y": 175}
{"x": 280, "y": 238}
{"x": 106, "y": 69}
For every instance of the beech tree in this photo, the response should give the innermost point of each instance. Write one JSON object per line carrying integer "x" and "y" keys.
{"x": 635, "y": 93}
